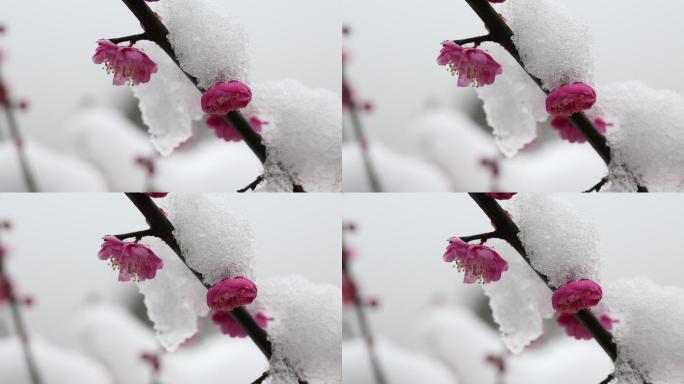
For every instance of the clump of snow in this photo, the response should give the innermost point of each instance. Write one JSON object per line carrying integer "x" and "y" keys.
{"x": 216, "y": 360}
{"x": 304, "y": 132}
{"x": 53, "y": 172}
{"x": 649, "y": 335}
{"x": 455, "y": 336}
{"x": 216, "y": 240}
{"x": 396, "y": 172}
{"x": 456, "y": 145}
{"x": 555, "y": 44}
{"x": 169, "y": 102}
{"x": 56, "y": 365}
{"x": 306, "y": 331}
{"x": 513, "y": 104}
{"x": 275, "y": 179}
{"x": 117, "y": 340}
{"x": 174, "y": 298}
{"x": 214, "y": 166}
{"x": 399, "y": 366}
{"x": 103, "y": 137}
{"x": 210, "y": 44}
{"x": 648, "y": 136}
{"x": 520, "y": 301}
{"x": 560, "y": 242}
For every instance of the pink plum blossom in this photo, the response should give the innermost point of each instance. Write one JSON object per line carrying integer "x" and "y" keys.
{"x": 501, "y": 195}
{"x": 479, "y": 262}
{"x": 231, "y": 327}
{"x": 575, "y": 295}
{"x": 569, "y": 99}
{"x": 130, "y": 65}
{"x": 348, "y": 290}
{"x": 473, "y": 65}
{"x": 224, "y": 97}
{"x": 575, "y": 329}
{"x": 569, "y": 132}
{"x": 5, "y": 289}
{"x": 156, "y": 194}
{"x": 225, "y": 130}
{"x": 132, "y": 259}
{"x": 491, "y": 1}
{"x": 228, "y": 294}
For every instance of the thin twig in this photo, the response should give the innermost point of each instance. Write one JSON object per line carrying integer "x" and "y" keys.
{"x": 21, "y": 330}
{"x": 482, "y": 236}
{"x": 251, "y": 186}
{"x": 608, "y": 379}
{"x": 366, "y": 332}
{"x": 131, "y": 38}
{"x": 509, "y": 232}
{"x": 598, "y": 186}
{"x": 477, "y": 40}
{"x": 137, "y": 234}
{"x": 15, "y": 135}
{"x": 161, "y": 227}
{"x": 261, "y": 378}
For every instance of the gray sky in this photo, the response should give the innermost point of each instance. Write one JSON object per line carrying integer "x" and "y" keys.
{"x": 56, "y": 238}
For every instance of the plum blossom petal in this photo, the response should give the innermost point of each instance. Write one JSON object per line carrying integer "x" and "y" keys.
{"x": 228, "y": 294}
{"x": 569, "y": 99}
{"x": 224, "y": 97}
{"x": 575, "y": 295}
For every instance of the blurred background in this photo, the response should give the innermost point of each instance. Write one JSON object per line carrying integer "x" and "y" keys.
{"x": 392, "y": 52}
{"x": 53, "y": 246}
{"x": 427, "y": 314}
{"x": 47, "y": 48}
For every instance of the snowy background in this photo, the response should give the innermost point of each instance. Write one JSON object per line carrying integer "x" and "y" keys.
{"x": 399, "y": 245}
{"x": 392, "y": 62}
{"x": 56, "y": 237}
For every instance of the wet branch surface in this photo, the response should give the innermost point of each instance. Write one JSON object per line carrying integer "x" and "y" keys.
{"x": 21, "y": 330}
{"x": 157, "y": 32}
{"x": 508, "y": 231}
{"x": 162, "y": 228}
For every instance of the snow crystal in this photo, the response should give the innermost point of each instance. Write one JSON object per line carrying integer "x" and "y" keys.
{"x": 169, "y": 102}
{"x": 306, "y": 331}
{"x": 304, "y": 132}
{"x": 559, "y": 241}
{"x": 648, "y": 136}
{"x": 447, "y": 330}
{"x": 210, "y": 45}
{"x": 513, "y": 104}
{"x": 53, "y": 172}
{"x": 456, "y": 145}
{"x": 117, "y": 339}
{"x": 216, "y": 240}
{"x": 56, "y": 365}
{"x": 520, "y": 301}
{"x": 399, "y": 366}
{"x": 174, "y": 298}
{"x": 649, "y": 335}
{"x": 103, "y": 137}
{"x": 555, "y": 44}
{"x": 397, "y": 172}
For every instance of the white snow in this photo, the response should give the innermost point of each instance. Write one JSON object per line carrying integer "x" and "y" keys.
{"x": 304, "y": 132}
{"x": 396, "y": 172}
{"x": 560, "y": 242}
{"x": 53, "y": 171}
{"x": 648, "y": 136}
{"x": 306, "y": 331}
{"x": 216, "y": 239}
{"x": 174, "y": 298}
{"x": 169, "y": 102}
{"x": 649, "y": 335}
{"x": 400, "y": 366}
{"x": 513, "y": 104}
{"x": 555, "y": 44}
{"x": 210, "y": 43}
{"x": 520, "y": 301}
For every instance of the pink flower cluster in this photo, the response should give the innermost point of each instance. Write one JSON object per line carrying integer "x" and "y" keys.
{"x": 568, "y": 99}
{"x": 224, "y": 97}
{"x": 575, "y": 295}
{"x": 130, "y": 65}
{"x": 132, "y": 259}
{"x": 479, "y": 262}
{"x": 474, "y": 66}
{"x": 231, "y": 327}
{"x": 228, "y": 294}
{"x": 575, "y": 329}
{"x": 225, "y": 130}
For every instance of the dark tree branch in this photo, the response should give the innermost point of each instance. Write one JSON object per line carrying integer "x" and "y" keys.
{"x": 361, "y": 138}
{"x": 131, "y": 38}
{"x": 21, "y": 330}
{"x": 608, "y": 379}
{"x": 509, "y": 232}
{"x": 162, "y": 228}
{"x": 482, "y": 237}
{"x": 261, "y": 378}
{"x": 251, "y": 186}
{"x": 598, "y": 186}
{"x": 137, "y": 234}
{"x": 366, "y": 332}
{"x": 15, "y": 135}
{"x": 157, "y": 32}
{"x": 477, "y": 40}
